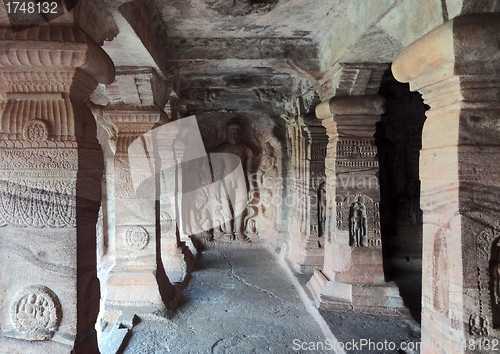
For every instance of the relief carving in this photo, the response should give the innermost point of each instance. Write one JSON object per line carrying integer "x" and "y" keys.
{"x": 441, "y": 296}
{"x": 233, "y": 145}
{"x": 36, "y": 130}
{"x": 36, "y": 312}
{"x": 137, "y": 238}
{"x": 360, "y": 216}
{"x": 241, "y": 7}
{"x": 322, "y": 209}
{"x": 38, "y": 203}
{"x": 358, "y": 225}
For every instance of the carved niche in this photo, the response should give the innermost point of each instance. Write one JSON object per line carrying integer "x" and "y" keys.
{"x": 359, "y": 215}
{"x": 252, "y": 141}
{"x": 488, "y": 281}
{"x": 36, "y": 312}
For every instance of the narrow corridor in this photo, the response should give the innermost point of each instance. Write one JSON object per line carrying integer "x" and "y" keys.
{"x": 239, "y": 300}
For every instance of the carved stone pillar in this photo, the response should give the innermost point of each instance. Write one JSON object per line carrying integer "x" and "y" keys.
{"x": 136, "y": 277}
{"x": 456, "y": 67}
{"x": 353, "y": 275}
{"x": 50, "y": 189}
{"x": 312, "y": 252}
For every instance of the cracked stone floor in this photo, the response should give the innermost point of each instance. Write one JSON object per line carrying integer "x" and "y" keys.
{"x": 239, "y": 300}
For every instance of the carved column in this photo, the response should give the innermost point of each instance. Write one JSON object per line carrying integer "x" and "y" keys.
{"x": 456, "y": 67}
{"x": 312, "y": 251}
{"x": 50, "y": 189}
{"x": 353, "y": 275}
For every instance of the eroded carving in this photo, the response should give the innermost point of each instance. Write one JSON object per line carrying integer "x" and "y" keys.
{"x": 137, "y": 238}
{"x": 38, "y": 203}
{"x": 322, "y": 209}
{"x": 36, "y": 130}
{"x": 241, "y": 7}
{"x": 35, "y": 312}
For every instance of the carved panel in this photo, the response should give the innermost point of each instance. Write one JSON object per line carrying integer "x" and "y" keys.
{"x": 39, "y": 159}
{"x": 372, "y": 217}
{"x": 36, "y": 130}
{"x": 137, "y": 238}
{"x": 38, "y": 203}
{"x": 488, "y": 281}
{"x": 36, "y": 312}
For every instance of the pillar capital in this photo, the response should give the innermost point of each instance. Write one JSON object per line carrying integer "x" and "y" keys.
{"x": 464, "y": 46}
{"x": 372, "y": 105}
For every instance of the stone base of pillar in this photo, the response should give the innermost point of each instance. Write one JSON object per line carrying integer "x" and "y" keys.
{"x": 312, "y": 256}
{"x": 178, "y": 261}
{"x": 331, "y": 294}
{"x": 133, "y": 288}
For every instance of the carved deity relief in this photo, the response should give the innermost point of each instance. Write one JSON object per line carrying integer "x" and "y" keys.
{"x": 441, "y": 296}
{"x": 35, "y": 312}
{"x": 358, "y": 224}
{"x": 322, "y": 209}
{"x": 227, "y": 193}
{"x": 360, "y": 216}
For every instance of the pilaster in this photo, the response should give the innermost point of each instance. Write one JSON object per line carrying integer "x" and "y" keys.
{"x": 50, "y": 189}
{"x": 456, "y": 67}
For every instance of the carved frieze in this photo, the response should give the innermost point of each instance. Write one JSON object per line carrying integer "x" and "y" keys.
{"x": 38, "y": 203}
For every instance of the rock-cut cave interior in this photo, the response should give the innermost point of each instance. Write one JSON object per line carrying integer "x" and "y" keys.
{"x": 249, "y": 176}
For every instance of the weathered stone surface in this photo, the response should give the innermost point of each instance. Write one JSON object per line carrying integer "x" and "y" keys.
{"x": 50, "y": 188}
{"x": 459, "y": 260}
{"x": 353, "y": 252}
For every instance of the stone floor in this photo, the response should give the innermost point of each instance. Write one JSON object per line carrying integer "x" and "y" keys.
{"x": 239, "y": 300}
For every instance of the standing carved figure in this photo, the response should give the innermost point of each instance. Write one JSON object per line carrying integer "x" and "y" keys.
{"x": 231, "y": 182}
{"x": 358, "y": 224}
{"x": 322, "y": 209}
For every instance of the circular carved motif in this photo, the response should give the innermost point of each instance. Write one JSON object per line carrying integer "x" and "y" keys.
{"x": 36, "y": 130}
{"x": 137, "y": 238}
{"x": 35, "y": 311}
{"x": 166, "y": 221}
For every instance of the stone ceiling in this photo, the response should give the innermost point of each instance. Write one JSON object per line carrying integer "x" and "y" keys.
{"x": 247, "y": 54}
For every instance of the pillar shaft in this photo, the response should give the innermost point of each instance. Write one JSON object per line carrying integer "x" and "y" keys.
{"x": 353, "y": 275}
{"x": 50, "y": 188}
{"x": 457, "y": 69}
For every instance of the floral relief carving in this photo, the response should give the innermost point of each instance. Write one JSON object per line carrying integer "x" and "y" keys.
{"x": 38, "y": 203}
{"x": 36, "y": 130}
{"x": 137, "y": 238}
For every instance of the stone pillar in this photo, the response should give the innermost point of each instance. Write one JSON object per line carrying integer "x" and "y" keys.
{"x": 135, "y": 280}
{"x": 353, "y": 275}
{"x": 50, "y": 189}
{"x": 312, "y": 253}
{"x": 456, "y": 67}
